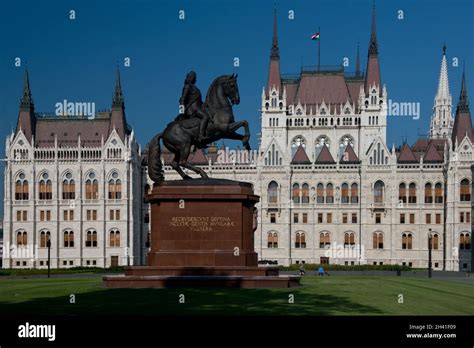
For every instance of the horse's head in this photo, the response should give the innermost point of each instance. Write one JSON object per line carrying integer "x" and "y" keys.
{"x": 231, "y": 90}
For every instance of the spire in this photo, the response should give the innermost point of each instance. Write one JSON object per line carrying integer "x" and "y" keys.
{"x": 118, "y": 96}
{"x": 275, "y": 51}
{"x": 26, "y": 101}
{"x": 274, "y": 78}
{"x": 373, "y": 46}
{"x": 373, "y": 68}
{"x": 357, "y": 73}
{"x": 443, "y": 85}
{"x": 463, "y": 104}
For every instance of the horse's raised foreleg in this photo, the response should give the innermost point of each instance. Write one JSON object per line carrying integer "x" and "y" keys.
{"x": 245, "y": 138}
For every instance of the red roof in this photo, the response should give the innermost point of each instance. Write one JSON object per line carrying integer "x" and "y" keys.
{"x": 432, "y": 154}
{"x": 462, "y": 127}
{"x": 349, "y": 156}
{"x": 300, "y": 156}
{"x": 406, "y": 155}
{"x": 198, "y": 157}
{"x": 325, "y": 156}
{"x": 316, "y": 88}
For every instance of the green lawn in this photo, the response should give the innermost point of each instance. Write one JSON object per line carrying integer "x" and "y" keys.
{"x": 337, "y": 295}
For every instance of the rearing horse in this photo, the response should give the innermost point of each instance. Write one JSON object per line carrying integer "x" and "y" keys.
{"x": 182, "y": 133}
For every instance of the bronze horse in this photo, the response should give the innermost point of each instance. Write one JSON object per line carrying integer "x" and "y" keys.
{"x": 181, "y": 134}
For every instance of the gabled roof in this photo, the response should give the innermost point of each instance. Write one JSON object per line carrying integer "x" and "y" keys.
{"x": 198, "y": 157}
{"x": 325, "y": 156}
{"x": 349, "y": 156}
{"x": 406, "y": 155}
{"x": 432, "y": 155}
{"x": 300, "y": 156}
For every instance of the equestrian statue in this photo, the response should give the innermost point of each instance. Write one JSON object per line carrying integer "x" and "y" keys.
{"x": 197, "y": 125}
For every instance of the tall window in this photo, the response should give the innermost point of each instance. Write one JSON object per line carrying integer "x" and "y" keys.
{"x": 407, "y": 241}
{"x": 377, "y": 239}
{"x": 91, "y": 239}
{"x": 349, "y": 239}
{"x": 428, "y": 193}
{"x": 378, "y": 191}
{"x": 439, "y": 193}
{"x": 412, "y": 193}
{"x": 296, "y": 143}
{"x": 465, "y": 191}
{"x": 300, "y": 241}
{"x": 45, "y": 187}
{"x": 329, "y": 193}
{"x": 21, "y": 188}
{"x": 464, "y": 241}
{"x": 434, "y": 241}
{"x": 272, "y": 192}
{"x": 69, "y": 187}
{"x": 320, "y": 193}
{"x": 21, "y": 238}
{"x": 92, "y": 187}
{"x": 44, "y": 237}
{"x": 295, "y": 193}
{"x": 115, "y": 187}
{"x": 305, "y": 194}
{"x": 354, "y": 193}
{"x": 324, "y": 240}
{"x": 344, "y": 193}
{"x": 68, "y": 239}
{"x": 272, "y": 240}
{"x": 402, "y": 193}
{"x": 114, "y": 238}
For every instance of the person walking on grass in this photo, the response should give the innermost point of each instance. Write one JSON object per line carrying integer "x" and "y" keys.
{"x": 321, "y": 271}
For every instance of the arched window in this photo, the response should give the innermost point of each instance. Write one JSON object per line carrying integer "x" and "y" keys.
{"x": 378, "y": 191}
{"x": 349, "y": 239}
{"x": 465, "y": 191}
{"x": 272, "y": 240}
{"x": 69, "y": 187}
{"x": 439, "y": 193}
{"x": 296, "y": 143}
{"x": 305, "y": 194}
{"x": 329, "y": 193}
{"x": 402, "y": 193}
{"x": 320, "y": 193}
{"x": 345, "y": 193}
{"x": 91, "y": 239}
{"x": 465, "y": 241}
{"x": 44, "y": 237}
{"x": 428, "y": 193}
{"x": 115, "y": 187}
{"x": 320, "y": 142}
{"x": 412, "y": 193}
{"x": 434, "y": 241}
{"x": 324, "y": 240}
{"x": 300, "y": 241}
{"x": 272, "y": 192}
{"x": 68, "y": 239}
{"x": 21, "y": 238}
{"x": 295, "y": 193}
{"x": 354, "y": 193}
{"x": 114, "y": 238}
{"x": 92, "y": 187}
{"x": 45, "y": 187}
{"x": 343, "y": 142}
{"x": 377, "y": 239}
{"x": 407, "y": 241}
{"x": 21, "y": 188}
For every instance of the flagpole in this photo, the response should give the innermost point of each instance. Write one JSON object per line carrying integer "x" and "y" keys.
{"x": 319, "y": 48}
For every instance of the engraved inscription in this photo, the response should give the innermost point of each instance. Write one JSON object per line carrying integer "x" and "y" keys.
{"x": 201, "y": 223}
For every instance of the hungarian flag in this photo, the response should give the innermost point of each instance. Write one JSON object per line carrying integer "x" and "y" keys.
{"x": 315, "y": 36}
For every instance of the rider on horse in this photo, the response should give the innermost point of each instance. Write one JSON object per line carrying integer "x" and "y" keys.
{"x": 192, "y": 102}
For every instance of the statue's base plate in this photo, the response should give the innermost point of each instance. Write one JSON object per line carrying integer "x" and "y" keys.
{"x": 172, "y": 277}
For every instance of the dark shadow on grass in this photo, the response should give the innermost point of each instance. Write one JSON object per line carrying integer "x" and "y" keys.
{"x": 199, "y": 301}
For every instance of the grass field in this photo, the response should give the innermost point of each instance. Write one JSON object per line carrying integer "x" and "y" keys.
{"x": 343, "y": 295}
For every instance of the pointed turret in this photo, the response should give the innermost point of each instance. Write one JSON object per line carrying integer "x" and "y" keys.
{"x": 373, "y": 68}
{"x": 117, "y": 118}
{"x": 274, "y": 78}
{"x": 26, "y": 116}
{"x": 442, "y": 120}
{"x": 462, "y": 121}
{"x": 357, "y": 72}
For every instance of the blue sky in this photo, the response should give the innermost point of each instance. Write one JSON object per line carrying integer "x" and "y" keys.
{"x": 76, "y": 59}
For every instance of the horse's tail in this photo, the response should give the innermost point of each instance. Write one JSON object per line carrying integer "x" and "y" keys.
{"x": 155, "y": 167}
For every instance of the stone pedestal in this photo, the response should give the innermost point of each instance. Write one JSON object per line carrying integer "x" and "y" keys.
{"x": 202, "y": 234}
